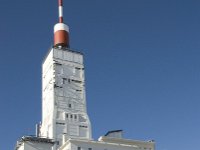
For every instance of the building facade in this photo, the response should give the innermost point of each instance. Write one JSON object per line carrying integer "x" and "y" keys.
{"x": 63, "y": 96}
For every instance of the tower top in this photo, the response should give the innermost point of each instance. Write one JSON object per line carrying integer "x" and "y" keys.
{"x": 61, "y": 30}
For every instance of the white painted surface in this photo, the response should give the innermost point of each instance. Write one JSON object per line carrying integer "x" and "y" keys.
{"x": 35, "y": 146}
{"x": 21, "y": 147}
{"x": 60, "y": 11}
{"x": 63, "y": 97}
{"x": 61, "y": 26}
{"x": 116, "y": 144}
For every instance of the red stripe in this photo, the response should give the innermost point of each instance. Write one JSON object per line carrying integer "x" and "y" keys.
{"x": 61, "y": 19}
{"x": 60, "y": 2}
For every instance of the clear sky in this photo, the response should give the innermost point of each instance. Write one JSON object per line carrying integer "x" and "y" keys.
{"x": 142, "y": 66}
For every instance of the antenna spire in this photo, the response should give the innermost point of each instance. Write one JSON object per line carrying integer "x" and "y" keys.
{"x": 60, "y": 8}
{"x": 61, "y": 30}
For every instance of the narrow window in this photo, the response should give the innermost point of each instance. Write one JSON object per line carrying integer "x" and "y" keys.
{"x": 70, "y": 105}
{"x": 67, "y": 116}
{"x": 64, "y": 80}
{"x": 71, "y": 116}
{"x": 78, "y": 148}
{"x": 77, "y": 68}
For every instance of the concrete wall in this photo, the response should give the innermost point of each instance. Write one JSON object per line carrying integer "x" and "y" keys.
{"x": 98, "y": 145}
{"x": 35, "y": 146}
{"x": 64, "y": 110}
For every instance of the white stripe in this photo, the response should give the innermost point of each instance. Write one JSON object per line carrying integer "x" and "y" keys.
{"x": 61, "y": 26}
{"x": 60, "y": 11}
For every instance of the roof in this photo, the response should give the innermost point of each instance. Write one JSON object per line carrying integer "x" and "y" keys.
{"x": 63, "y": 48}
{"x": 33, "y": 139}
{"x": 108, "y": 141}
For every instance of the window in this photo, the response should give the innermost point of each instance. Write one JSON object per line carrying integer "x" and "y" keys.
{"x": 78, "y": 90}
{"x": 76, "y": 81}
{"x": 83, "y": 126}
{"x": 71, "y": 116}
{"x": 67, "y": 116}
{"x": 77, "y": 68}
{"x": 75, "y": 116}
{"x": 78, "y": 148}
{"x": 89, "y": 148}
{"x": 64, "y": 80}
{"x": 60, "y": 123}
{"x": 70, "y": 105}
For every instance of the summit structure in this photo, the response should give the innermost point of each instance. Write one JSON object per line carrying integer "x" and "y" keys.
{"x": 63, "y": 89}
{"x": 65, "y": 123}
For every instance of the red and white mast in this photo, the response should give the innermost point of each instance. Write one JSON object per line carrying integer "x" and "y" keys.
{"x": 61, "y": 30}
{"x": 60, "y": 8}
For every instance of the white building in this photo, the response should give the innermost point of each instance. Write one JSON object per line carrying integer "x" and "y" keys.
{"x": 65, "y": 123}
{"x": 103, "y": 143}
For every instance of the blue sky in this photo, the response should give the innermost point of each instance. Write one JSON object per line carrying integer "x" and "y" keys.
{"x": 142, "y": 66}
